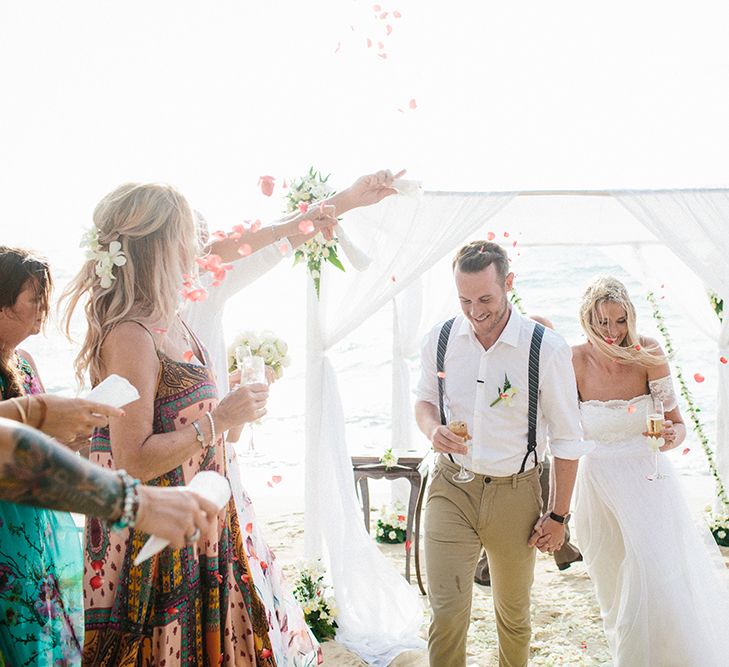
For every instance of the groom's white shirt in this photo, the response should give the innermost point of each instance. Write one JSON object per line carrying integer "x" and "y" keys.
{"x": 473, "y": 377}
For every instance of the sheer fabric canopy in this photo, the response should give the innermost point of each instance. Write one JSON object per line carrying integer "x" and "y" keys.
{"x": 379, "y": 613}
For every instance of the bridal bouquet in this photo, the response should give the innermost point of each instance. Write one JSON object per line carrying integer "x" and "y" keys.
{"x": 719, "y": 526}
{"x": 302, "y": 193}
{"x": 320, "y": 610}
{"x": 392, "y": 524}
{"x": 262, "y": 344}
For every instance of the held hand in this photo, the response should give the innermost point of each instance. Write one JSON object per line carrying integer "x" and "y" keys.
{"x": 71, "y": 420}
{"x": 669, "y": 435}
{"x": 447, "y": 442}
{"x": 373, "y": 188}
{"x": 322, "y": 217}
{"x": 244, "y": 404}
{"x": 234, "y": 379}
{"x": 270, "y": 375}
{"x": 548, "y": 535}
{"x": 175, "y": 514}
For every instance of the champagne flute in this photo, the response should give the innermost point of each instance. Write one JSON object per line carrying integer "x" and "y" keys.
{"x": 462, "y": 476}
{"x": 655, "y": 421}
{"x": 252, "y": 371}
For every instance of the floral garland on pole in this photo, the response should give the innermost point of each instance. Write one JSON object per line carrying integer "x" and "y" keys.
{"x": 693, "y": 412}
{"x": 302, "y": 193}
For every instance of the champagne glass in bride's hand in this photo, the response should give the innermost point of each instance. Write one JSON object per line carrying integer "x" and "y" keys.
{"x": 252, "y": 371}
{"x": 655, "y": 421}
{"x": 460, "y": 428}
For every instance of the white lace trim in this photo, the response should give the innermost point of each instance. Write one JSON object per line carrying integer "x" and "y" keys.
{"x": 662, "y": 389}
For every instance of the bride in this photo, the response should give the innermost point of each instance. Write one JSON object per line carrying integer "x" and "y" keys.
{"x": 657, "y": 575}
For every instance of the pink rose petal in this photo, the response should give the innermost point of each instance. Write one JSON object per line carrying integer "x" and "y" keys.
{"x": 413, "y": 104}
{"x": 686, "y": 451}
{"x": 339, "y": 46}
{"x": 490, "y": 236}
{"x": 380, "y": 45}
{"x": 383, "y": 16}
{"x": 249, "y": 528}
{"x": 698, "y": 377}
{"x": 397, "y": 14}
{"x": 637, "y": 347}
{"x": 244, "y": 250}
{"x": 383, "y": 56}
{"x": 256, "y": 226}
{"x": 631, "y": 409}
{"x": 188, "y": 355}
{"x": 266, "y": 183}
{"x": 506, "y": 235}
{"x": 388, "y": 29}
{"x": 303, "y": 207}
{"x": 392, "y": 279}
{"x": 369, "y": 43}
{"x": 218, "y": 236}
{"x": 376, "y": 8}
{"x": 723, "y": 360}
{"x": 441, "y": 374}
{"x": 306, "y": 226}
{"x": 276, "y": 479}
{"x": 408, "y": 544}
{"x": 283, "y": 247}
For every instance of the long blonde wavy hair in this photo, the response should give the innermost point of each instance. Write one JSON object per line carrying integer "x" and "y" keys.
{"x": 154, "y": 224}
{"x": 630, "y": 350}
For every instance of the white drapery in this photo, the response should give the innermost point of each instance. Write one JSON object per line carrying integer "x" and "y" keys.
{"x": 379, "y": 613}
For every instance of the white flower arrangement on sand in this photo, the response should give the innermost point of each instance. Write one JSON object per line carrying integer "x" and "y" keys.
{"x": 319, "y": 606}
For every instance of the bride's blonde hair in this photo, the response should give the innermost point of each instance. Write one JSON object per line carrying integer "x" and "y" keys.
{"x": 154, "y": 224}
{"x": 630, "y": 350}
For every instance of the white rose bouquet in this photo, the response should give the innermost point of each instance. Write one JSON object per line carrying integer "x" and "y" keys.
{"x": 392, "y": 524}
{"x": 262, "y": 344}
{"x": 302, "y": 193}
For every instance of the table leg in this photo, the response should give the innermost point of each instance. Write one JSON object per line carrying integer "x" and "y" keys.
{"x": 365, "y": 493}
{"x": 416, "y": 545}
{"x": 414, "y": 488}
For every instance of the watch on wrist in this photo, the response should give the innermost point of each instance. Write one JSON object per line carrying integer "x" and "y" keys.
{"x": 564, "y": 520}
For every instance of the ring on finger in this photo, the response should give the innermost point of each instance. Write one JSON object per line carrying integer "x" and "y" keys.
{"x": 193, "y": 537}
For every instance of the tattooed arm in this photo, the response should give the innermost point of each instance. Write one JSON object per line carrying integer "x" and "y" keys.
{"x": 35, "y": 470}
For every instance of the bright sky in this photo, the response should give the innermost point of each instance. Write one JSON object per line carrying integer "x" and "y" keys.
{"x": 210, "y": 95}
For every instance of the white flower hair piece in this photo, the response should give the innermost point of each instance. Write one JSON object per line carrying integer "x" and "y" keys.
{"x": 106, "y": 260}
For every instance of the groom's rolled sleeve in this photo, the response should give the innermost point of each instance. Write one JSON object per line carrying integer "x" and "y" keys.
{"x": 560, "y": 407}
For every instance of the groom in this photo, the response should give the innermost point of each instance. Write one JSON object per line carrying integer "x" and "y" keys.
{"x": 509, "y": 380}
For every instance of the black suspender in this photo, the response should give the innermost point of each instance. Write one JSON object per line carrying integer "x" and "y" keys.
{"x": 533, "y": 394}
{"x": 536, "y": 345}
{"x": 445, "y": 333}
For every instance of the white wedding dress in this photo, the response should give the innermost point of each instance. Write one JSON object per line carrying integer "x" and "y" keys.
{"x": 659, "y": 577}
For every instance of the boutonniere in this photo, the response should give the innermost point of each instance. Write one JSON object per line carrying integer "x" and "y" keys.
{"x": 506, "y": 393}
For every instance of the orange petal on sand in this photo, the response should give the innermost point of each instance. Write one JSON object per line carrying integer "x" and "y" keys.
{"x": 490, "y": 236}
{"x": 188, "y": 355}
{"x": 698, "y": 377}
{"x": 686, "y": 451}
{"x": 306, "y": 226}
{"x": 723, "y": 360}
{"x": 266, "y": 183}
{"x": 244, "y": 250}
{"x": 631, "y": 409}
{"x": 441, "y": 374}
{"x": 413, "y": 104}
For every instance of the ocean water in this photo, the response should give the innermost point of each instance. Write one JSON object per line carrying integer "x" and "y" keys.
{"x": 550, "y": 281}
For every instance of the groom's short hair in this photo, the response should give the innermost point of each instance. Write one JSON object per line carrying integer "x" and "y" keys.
{"x": 479, "y": 255}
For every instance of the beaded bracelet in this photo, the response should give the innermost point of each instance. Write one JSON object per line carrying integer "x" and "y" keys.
{"x": 131, "y": 502}
{"x": 212, "y": 429}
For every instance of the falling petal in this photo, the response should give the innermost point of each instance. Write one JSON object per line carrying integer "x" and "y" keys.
{"x": 369, "y": 43}
{"x": 408, "y": 544}
{"x": 441, "y": 374}
{"x": 698, "y": 377}
{"x": 383, "y": 16}
{"x": 339, "y": 46}
{"x": 506, "y": 235}
{"x": 306, "y": 226}
{"x": 376, "y": 8}
{"x": 397, "y": 14}
{"x": 187, "y": 356}
{"x": 285, "y": 185}
{"x": 276, "y": 479}
{"x": 303, "y": 207}
{"x": 244, "y": 250}
{"x": 218, "y": 236}
{"x": 401, "y": 110}
{"x": 490, "y": 236}
{"x": 631, "y": 409}
{"x": 256, "y": 226}
{"x": 383, "y": 56}
{"x": 686, "y": 451}
{"x": 638, "y": 347}
{"x": 392, "y": 279}
{"x": 266, "y": 184}
{"x": 513, "y": 245}
{"x": 249, "y": 528}
{"x": 723, "y": 360}
{"x": 413, "y": 104}
{"x": 283, "y": 248}
{"x": 388, "y": 29}
{"x": 266, "y": 653}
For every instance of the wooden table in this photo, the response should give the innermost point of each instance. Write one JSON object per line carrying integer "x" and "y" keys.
{"x": 416, "y": 470}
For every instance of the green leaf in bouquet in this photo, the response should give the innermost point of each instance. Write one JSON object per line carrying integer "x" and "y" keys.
{"x": 333, "y": 259}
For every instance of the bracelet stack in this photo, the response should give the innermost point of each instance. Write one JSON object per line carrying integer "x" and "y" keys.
{"x": 130, "y": 506}
{"x": 212, "y": 429}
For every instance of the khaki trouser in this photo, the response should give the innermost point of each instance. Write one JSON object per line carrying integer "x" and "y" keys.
{"x": 498, "y": 513}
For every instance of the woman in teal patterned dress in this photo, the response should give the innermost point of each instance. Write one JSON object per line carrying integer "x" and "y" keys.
{"x": 41, "y": 566}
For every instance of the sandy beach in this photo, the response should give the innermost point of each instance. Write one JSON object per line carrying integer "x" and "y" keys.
{"x": 565, "y": 617}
